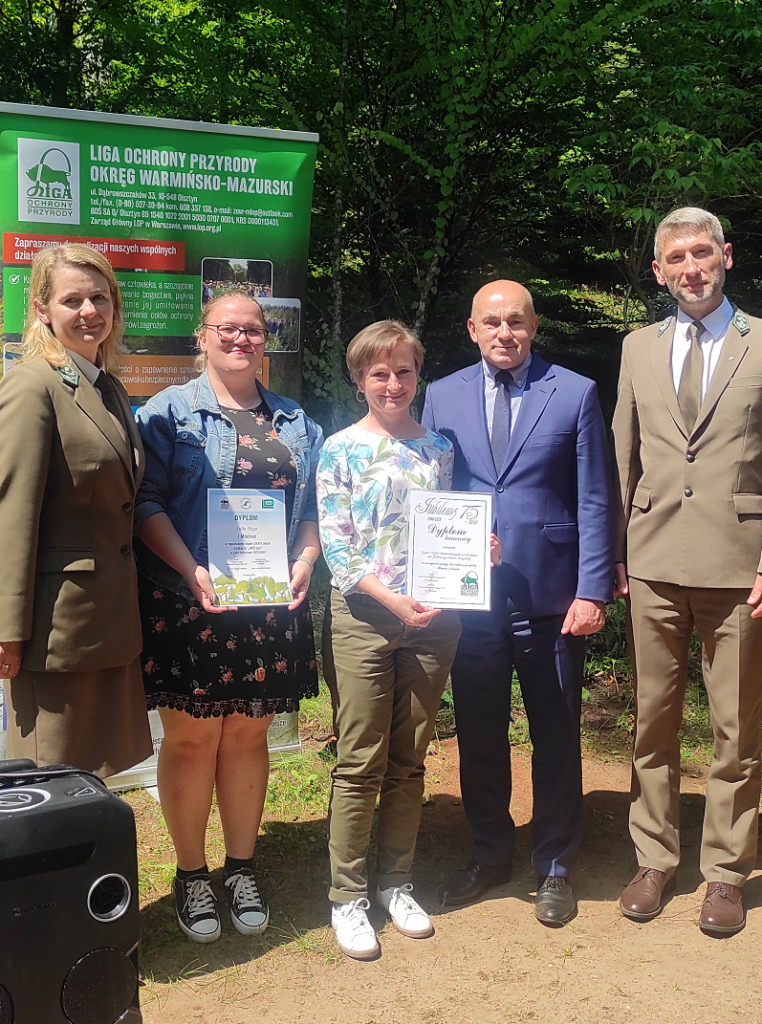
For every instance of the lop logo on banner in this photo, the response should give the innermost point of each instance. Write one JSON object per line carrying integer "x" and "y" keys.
{"x": 48, "y": 176}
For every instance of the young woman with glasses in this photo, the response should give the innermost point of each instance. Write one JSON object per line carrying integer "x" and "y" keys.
{"x": 218, "y": 676}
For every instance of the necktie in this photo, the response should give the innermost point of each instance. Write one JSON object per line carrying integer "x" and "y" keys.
{"x": 501, "y": 419}
{"x": 689, "y": 391}
{"x": 111, "y": 402}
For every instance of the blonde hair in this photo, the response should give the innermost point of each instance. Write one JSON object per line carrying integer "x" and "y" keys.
{"x": 38, "y": 340}
{"x": 378, "y": 340}
{"x": 234, "y": 292}
{"x": 688, "y": 220}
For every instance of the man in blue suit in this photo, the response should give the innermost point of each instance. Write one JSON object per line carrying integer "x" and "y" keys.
{"x": 532, "y": 435}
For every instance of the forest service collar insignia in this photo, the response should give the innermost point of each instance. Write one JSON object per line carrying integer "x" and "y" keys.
{"x": 663, "y": 326}
{"x": 741, "y": 322}
{"x": 68, "y": 375}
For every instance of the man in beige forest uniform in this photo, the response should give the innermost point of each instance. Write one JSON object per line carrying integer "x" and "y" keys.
{"x": 688, "y": 430}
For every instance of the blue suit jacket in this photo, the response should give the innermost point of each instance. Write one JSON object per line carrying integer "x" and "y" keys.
{"x": 552, "y": 498}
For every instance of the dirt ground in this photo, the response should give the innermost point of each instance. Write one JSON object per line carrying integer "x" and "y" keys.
{"x": 491, "y": 962}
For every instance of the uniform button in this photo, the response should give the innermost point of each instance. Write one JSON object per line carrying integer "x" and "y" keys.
{"x": 127, "y": 507}
{"x": 125, "y": 549}
{"x": 688, "y": 492}
{"x": 690, "y": 457}
{"x": 500, "y": 488}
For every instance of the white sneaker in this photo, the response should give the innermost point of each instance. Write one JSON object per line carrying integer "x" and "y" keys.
{"x": 354, "y": 932}
{"x": 407, "y": 917}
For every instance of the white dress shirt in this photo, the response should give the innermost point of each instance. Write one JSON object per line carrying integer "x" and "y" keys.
{"x": 515, "y": 389}
{"x": 89, "y": 370}
{"x": 716, "y": 326}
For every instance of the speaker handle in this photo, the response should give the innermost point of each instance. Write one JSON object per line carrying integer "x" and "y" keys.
{"x": 17, "y": 764}
{"x": 23, "y": 769}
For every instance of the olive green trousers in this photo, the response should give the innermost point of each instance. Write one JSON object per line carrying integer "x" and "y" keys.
{"x": 386, "y": 681}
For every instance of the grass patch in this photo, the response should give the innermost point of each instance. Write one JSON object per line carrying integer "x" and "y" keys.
{"x": 444, "y": 725}
{"x": 608, "y": 708}
{"x": 320, "y": 943}
{"x": 316, "y": 716}
{"x": 299, "y": 788}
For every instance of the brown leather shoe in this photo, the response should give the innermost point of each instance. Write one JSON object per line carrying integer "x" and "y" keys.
{"x": 722, "y": 910}
{"x": 644, "y": 897}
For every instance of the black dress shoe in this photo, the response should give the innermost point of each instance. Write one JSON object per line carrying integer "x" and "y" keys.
{"x": 468, "y": 884}
{"x": 554, "y": 903}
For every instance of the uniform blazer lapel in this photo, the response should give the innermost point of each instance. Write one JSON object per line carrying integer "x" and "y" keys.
{"x": 91, "y": 405}
{"x": 661, "y": 362}
{"x": 540, "y": 385}
{"x": 474, "y": 417}
{"x": 734, "y": 348}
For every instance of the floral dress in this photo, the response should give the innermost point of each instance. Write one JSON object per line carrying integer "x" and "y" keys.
{"x": 256, "y": 661}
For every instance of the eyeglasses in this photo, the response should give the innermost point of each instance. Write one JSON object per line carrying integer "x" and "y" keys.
{"x": 227, "y": 332}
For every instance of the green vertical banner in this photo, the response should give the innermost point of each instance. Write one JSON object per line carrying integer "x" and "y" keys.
{"x": 181, "y": 209}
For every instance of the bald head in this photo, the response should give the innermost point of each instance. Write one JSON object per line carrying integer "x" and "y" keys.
{"x": 506, "y": 289}
{"x": 503, "y": 323}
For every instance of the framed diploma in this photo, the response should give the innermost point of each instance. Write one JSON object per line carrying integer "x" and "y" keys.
{"x": 449, "y": 557}
{"x": 248, "y": 551}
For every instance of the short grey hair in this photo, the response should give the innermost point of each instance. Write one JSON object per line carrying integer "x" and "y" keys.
{"x": 687, "y": 220}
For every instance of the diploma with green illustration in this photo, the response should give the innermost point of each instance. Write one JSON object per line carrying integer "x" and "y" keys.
{"x": 449, "y": 552}
{"x": 248, "y": 552}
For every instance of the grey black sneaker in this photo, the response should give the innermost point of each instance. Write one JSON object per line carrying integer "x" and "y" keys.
{"x": 249, "y": 912}
{"x": 196, "y": 907}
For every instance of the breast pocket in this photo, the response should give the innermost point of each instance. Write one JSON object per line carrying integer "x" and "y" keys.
{"x": 550, "y": 438}
{"x": 188, "y": 453}
{"x": 749, "y": 380}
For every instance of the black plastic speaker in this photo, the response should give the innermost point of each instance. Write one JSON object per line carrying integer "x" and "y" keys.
{"x": 6, "y": 1007}
{"x": 68, "y": 899}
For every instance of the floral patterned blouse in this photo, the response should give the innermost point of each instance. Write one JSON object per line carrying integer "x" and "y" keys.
{"x": 363, "y": 480}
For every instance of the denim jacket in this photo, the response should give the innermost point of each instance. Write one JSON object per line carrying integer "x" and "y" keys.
{"x": 190, "y": 446}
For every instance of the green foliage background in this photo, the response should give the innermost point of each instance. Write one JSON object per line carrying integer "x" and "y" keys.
{"x": 461, "y": 139}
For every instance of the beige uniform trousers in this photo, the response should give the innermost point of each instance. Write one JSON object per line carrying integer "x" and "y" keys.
{"x": 389, "y": 679}
{"x": 663, "y": 616}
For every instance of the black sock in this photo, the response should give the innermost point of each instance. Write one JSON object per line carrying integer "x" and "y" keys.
{"x": 233, "y": 864}
{"x": 203, "y": 870}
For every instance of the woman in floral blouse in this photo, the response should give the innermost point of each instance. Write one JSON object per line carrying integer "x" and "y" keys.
{"x": 217, "y": 676}
{"x": 392, "y": 654}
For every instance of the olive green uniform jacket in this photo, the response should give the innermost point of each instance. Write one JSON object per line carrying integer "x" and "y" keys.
{"x": 68, "y": 583}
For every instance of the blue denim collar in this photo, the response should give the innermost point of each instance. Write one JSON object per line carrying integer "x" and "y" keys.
{"x": 204, "y": 399}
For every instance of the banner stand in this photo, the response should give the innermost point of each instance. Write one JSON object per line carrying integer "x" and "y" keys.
{"x": 183, "y": 211}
